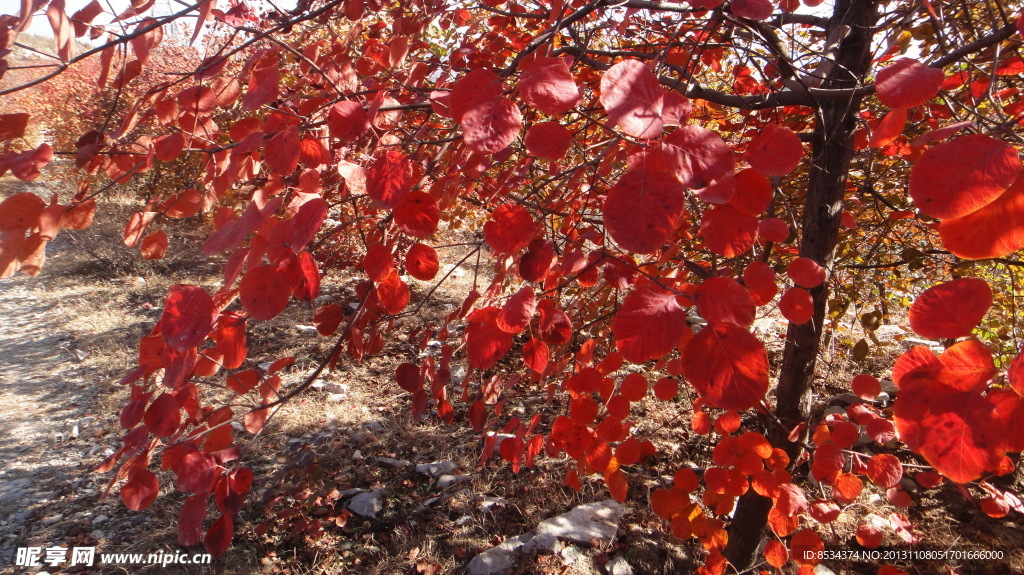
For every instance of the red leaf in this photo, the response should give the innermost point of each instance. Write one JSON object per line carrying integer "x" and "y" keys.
{"x": 990, "y": 232}
{"x": 728, "y": 366}
{"x": 753, "y": 192}
{"x": 824, "y": 511}
{"x": 473, "y": 88}
{"x": 549, "y": 86}
{"x": 485, "y": 342}
{"x": 154, "y": 246}
{"x": 548, "y": 140}
{"x": 408, "y": 377}
{"x": 776, "y": 151}
{"x": 866, "y": 386}
{"x": 218, "y": 538}
{"x": 25, "y": 166}
{"x": 907, "y": 83}
{"x": 759, "y": 278}
{"x": 775, "y": 553}
{"x": 633, "y": 98}
{"x": 773, "y": 230}
{"x": 264, "y": 291}
{"x": 649, "y": 324}
{"x": 797, "y": 305}
{"x": 190, "y": 519}
{"x": 633, "y": 387}
{"x": 490, "y": 126}
{"x": 140, "y": 490}
{"x": 752, "y": 9}
{"x": 805, "y": 547}
{"x": 888, "y": 128}
{"x": 347, "y": 120}
{"x": 555, "y": 326}
{"x": 389, "y": 178}
{"x": 421, "y": 262}
{"x": 378, "y": 263}
{"x": 21, "y": 212}
{"x": 163, "y": 416}
{"x": 959, "y": 177}
{"x": 263, "y": 84}
{"x": 885, "y": 470}
{"x": 642, "y": 210}
{"x": 328, "y": 318}
{"x": 393, "y": 294}
{"x": 727, "y": 231}
{"x": 417, "y": 214}
{"x": 509, "y": 229}
{"x": 518, "y": 310}
{"x": 13, "y": 126}
{"x": 967, "y": 366}
{"x": 188, "y": 316}
{"x": 806, "y": 272}
{"x": 537, "y": 260}
{"x": 952, "y": 309}
{"x": 869, "y": 536}
{"x": 305, "y": 277}
{"x": 535, "y": 355}
{"x": 723, "y": 300}
{"x": 195, "y": 473}
{"x": 957, "y": 432}
{"x": 698, "y": 157}
{"x": 184, "y": 205}
{"x": 282, "y": 151}
{"x": 618, "y": 484}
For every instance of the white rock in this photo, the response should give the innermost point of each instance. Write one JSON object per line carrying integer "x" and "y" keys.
{"x": 618, "y": 566}
{"x": 306, "y": 330}
{"x": 446, "y": 481}
{"x": 586, "y": 522}
{"x": 436, "y": 469}
{"x": 336, "y": 388}
{"x": 541, "y": 543}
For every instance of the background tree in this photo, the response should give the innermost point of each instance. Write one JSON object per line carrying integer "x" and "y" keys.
{"x": 619, "y": 163}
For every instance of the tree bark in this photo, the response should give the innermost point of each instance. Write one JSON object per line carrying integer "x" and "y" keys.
{"x": 832, "y": 150}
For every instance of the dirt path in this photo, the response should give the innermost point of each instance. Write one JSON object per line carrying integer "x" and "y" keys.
{"x": 48, "y": 431}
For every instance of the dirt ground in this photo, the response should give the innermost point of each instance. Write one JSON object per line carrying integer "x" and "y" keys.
{"x": 68, "y": 336}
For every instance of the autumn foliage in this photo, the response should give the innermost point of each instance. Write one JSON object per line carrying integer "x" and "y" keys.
{"x": 648, "y": 180}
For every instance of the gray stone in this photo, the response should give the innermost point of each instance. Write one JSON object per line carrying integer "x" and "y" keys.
{"x": 618, "y": 566}
{"x": 336, "y": 388}
{"x": 541, "y": 543}
{"x": 367, "y": 504}
{"x": 446, "y": 481}
{"x": 97, "y": 534}
{"x": 99, "y": 519}
{"x": 494, "y": 561}
{"x": 486, "y": 502}
{"x": 373, "y": 426}
{"x": 436, "y": 469}
{"x": 586, "y": 523}
{"x": 391, "y": 462}
{"x": 306, "y": 330}
{"x": 337, "y": 397}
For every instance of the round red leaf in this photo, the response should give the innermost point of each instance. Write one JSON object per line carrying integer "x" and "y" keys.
{"x": 140, "y": 490}
{"x": 264, "y": 291}
{"x": 21, "y": 211}
{"x": 806, "y": 272}
{"x": 959, "y": 177}
{"x": 421, "y": 262}
{"x": 649, "y": 324}
{"x": 990, "y": 232}
{"x": 188, "y": 316}
{"x": 389, "y": 178}
{"x": 697, "y": 156}
{"x": 485, "y": 342}
{"x": 642, "y": 210}
{"x": 776, "y": 151}
{"x": 728, "y": 366}
{"x": 952, "y": 309}
{"x": 759, "y": 278}
{"x": 548, "y": 140}
{"x": 723, "y": 300}
{"x": 753, "y": 192}
{"x": 491, "y": 125}
{"x": 797, "y": 305}
{"x": 633, "y": 98}
{"x": 509, "y": 229}
{"x": 727, "y": 231}
{"x": 885, "y": 470}
{"x": 517, "y": 312}
{"x": 549, "y": 86}
{"x": 773, "y": 230}
{"x": 907, "y": 83}
{"x": 417, "y": 214}
{"x": 866, "y": 386}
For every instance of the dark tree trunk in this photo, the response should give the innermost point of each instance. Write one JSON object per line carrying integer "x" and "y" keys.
{"x": 832, "y": 150}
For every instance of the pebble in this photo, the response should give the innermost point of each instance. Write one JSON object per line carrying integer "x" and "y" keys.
{"x": 446, "y": 481}
{"x": 367, "y": 504}
{"x": 436, "y": 469}
{"x": 391, "y": 462}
